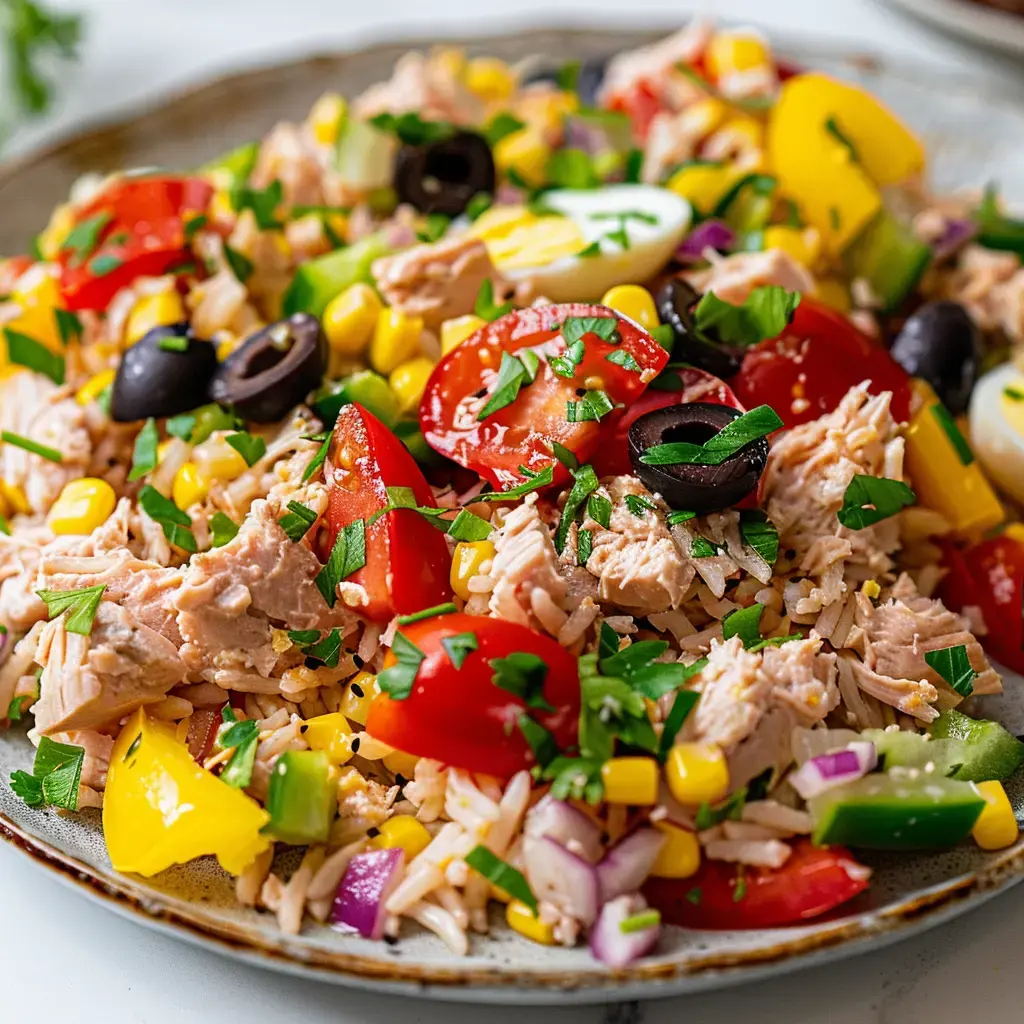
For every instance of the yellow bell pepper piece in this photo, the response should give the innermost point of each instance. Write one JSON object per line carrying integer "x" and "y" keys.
{"x": 405, "y": 832}
{"x": 161, "y": 808}
{"x": 153, "y": 311}
{"x": 94, "y": 387}
{"x": 526, "y": 152}
{"x": 832, "y": 145}
{"x": 358, "y": 696}
{"x": 326, "y": 117}
{"x": 523, "y": 920}
{"x": 734, "y": 51}
{"x": 702, "y": 185}
{"x": 455, "y": 331}
{"x": 945, "y": 476}
{"x": 38, "y": 295}
{"x": 802, "y": 244}
{"x": 996, "y": 827}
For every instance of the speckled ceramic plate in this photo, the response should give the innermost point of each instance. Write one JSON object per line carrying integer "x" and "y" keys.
{"x": 977, "y": 23}
{"x": 973, "y": 138}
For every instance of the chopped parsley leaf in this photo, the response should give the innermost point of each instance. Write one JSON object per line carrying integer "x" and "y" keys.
{"x": 81, "y": 606}
{"x": 512, "y": 375}
{"x": 251, "y": 447}
{"x": 144, "y": 456}
{"x": 522, "y": 674}
{"x": 955, "y": 668}
{"x": 397, "y": 681}
{"x": 592, "y": 406}
{"x": 870, "y": 499}
{"x": 751, "y": 426}
{"x": 172, "y": 520}
{"x": 347, "y": 556}
{"x": 297, "y": 521}
{"x": 485, "y": 306}
{"x": 765, "y": 313}
{"x": 25, "y": 351}
{"x": 223, "y": 529}
{"x": 459, "y": 647}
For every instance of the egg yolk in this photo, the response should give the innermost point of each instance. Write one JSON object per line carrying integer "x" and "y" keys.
{"x": 516, "y": 238}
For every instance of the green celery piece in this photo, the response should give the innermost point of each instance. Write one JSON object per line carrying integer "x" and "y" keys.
{"x": 318, "y": 281}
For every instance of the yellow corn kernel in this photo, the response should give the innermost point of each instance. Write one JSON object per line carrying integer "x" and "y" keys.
{"x": 94, "y": 387}
{"x": 803, "y": 244}
{"x": 697, "y": 773}
{"x": 359, "y": 695}
{"x": 630, "y": 780}
{"x": 996, "y": 828}
{"x": 732, "y": 51}
{"x": 524, "y": 152}
{"x": 490, "y": 79}
{"x": 455, "y": 332}
{"x": 189, "y": 486}
{"x": 833, "y": 293}
{"x": 332, "y": 734}
{"x": 702, "y": 185}
{"x": 408, "y": 381}
{"x": 635, "y": 302}
{"x": 62, "y": 220}
{"x": 404, "y": 832}
{"x": 396, "y": 339}
{"x": 153, "y": 311}
{"x": 325, "y": 118}
{"x": 400, "y": 763}
{"x": 467, "y": 559}
{"x": 350, "y": 318}
{"x": 869, "y": 588}
{"x": 680, "y": 855}
{"x": 15, "y": 498}
{"x": 82, "y": 506}
{"x": 523, "y": 920}
{"x": 941, "y": 479}
{"x": 217, "y": 460}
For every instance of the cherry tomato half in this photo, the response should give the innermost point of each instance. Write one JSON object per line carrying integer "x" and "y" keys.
{"x": 813, "y": 881}
{"x": 407, "y": 562}
{"x": 140, "y": 232}
{"x": 521, "y": 433}
{"x": 990, "y": 576}
{"x": 806, "y": 371}
{"x": 612, "y": 455}
{"x": 458, "y": 715}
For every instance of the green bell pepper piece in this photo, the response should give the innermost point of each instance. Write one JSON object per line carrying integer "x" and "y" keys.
{"x": 367, "y": 388}
{"x": 409, "y": 433}
{"x": 995, "y": 229}
{"x": 318, "y": 281}
{"x": 889, "y": 258}
{"x": 237, "y": 163}
{"x": 886, "y": 812}
{"x": 989, "y": 751}
{"x": 301, "y": 801}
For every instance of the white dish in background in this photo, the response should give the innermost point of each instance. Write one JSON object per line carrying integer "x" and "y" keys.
{"x": 974, "y": 22}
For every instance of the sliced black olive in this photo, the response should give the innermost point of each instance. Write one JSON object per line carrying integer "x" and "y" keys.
{"x": 676, "y": 301}
{"x": 274, "y": 370}
{"x": 165, "y": 372}
{"x": 699, "y": 489}
{"x": 442, "y": 177}
{"x": 940, "y": 343}
{"x": 588, "y": 81}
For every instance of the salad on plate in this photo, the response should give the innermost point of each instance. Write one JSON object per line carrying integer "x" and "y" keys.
{"x": 581, "y": 495}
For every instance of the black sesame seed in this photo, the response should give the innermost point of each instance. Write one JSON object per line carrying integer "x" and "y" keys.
{"x": 355, "y": 745}
{"x": 357, "y": 661}
{"x": 357, "y": 690}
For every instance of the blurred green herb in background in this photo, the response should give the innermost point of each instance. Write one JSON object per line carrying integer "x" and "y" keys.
{"x": 32, "y": 36}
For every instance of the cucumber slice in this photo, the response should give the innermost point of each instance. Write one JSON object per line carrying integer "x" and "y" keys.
{"x": 318, "y": 281}
{"x": 364, "y": 158}
{"x": 990, "y": 752}
{"x": 912, "y": 750}
{"x": 889, "y": 258}
{"x": 885, "y": 812}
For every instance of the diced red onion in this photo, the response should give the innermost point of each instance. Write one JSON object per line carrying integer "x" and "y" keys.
{"x": 808, "y": 743}
{"x": 709, "y": 233}
{"x": 561, "y": 877}
{"x": 508, "y": 195}
{"x": 828, "y": 770}
{"x": 586, "y": 135}
{"x": 369, "y": 880}
{"x": 626, "y": 865}
{"x": 956, "y": 235}
{"x": 614, "y": 947}
{"x": 566, "y": 825}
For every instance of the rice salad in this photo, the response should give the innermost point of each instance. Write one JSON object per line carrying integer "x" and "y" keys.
{"x": 581, "y": 496}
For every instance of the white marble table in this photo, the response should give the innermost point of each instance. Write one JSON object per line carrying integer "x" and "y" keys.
{"x": 66, "y": 959}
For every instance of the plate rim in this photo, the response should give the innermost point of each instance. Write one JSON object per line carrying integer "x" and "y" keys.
{"x": 970, "y": 22}
{"x": 126, "y": 896}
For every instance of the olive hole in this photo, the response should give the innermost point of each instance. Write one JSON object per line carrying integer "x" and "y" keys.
{"x": 263, "y": 360}
{"x": 688, "y": 433}
{"x": 449, "y": 166}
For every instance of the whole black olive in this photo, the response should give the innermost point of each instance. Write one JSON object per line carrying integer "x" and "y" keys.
{"x": 699, "y": 489}
{"x": 274, "y": 370}
{"x": 588, "y": 81}
{"x": 940, "y": 343}
{"x": 165, "y": 372}
{"x": 676, "y": 301}
{"x": 442, "y": 177}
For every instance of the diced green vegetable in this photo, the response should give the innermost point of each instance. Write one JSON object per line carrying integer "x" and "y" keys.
{"x": 364, "y": 155}
{"x": 301, "y": 801}
{"x": 883, "y": 812}
{"x": 367, "y": 388}
{"x": 318, "y": 281}
{"x": 912, "y": 750}
{"x": 990, "y": 752}
{"x": 889, "y": 258}
{"x": 747, "y": 206}
{"x": 409, "y": 433}
{"x": 236, "y": 163}
{"x": 995, "y": 229}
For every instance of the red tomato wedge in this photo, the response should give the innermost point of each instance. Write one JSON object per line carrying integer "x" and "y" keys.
{"x": 990, "y": 576}
{"x": 407, "y": 563}
{"x": 521, "y": 433}
{"x": 612, "y": 456}
{"x": 458, "y": 715}
{"x": 812, "y": 882}
{"x": 805, "y": 372}
{"x": 138, "y": 231}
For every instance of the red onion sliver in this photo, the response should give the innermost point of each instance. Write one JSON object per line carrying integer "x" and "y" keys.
{"x": 626, "y": 866}
{"x": 566, "y": 825}
{"x": 828, "y": 770}
{"x": 709, "y": 233}
{"x": 370, "y": 879}
{"x": 610, "y": 944}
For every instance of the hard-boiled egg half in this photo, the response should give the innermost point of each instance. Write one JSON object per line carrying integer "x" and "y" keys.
{"x": 997, "y": 427}
{"x": 581, "y": 242}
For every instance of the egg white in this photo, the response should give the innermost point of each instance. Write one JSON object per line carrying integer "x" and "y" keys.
{"x": 996, "y": 442}
{"x": 651, "y": 245}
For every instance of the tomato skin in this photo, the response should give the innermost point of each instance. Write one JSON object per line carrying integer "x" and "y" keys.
{"x": 812, "y": 882}
{"x": 990, "y": 576}
{"x": 521, "y": 433}
{"x": 458, "y": 716}
{"x": 806, "y": 371}
{"x": 146, "y": 232}
{"x": 640, "y": 103}
{"x": 407, "y": 562}
{"x": 612, "y": 456}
